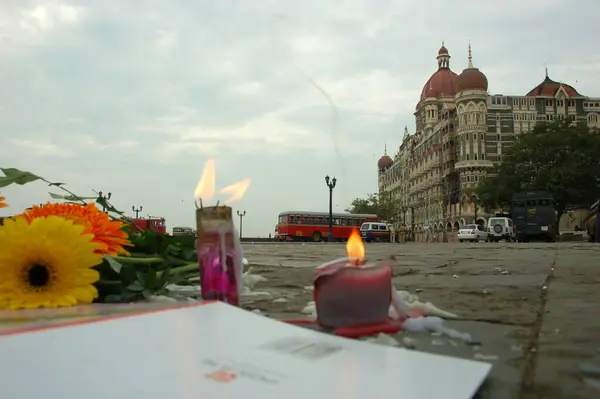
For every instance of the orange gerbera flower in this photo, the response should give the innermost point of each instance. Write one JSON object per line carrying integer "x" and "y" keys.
{"x": 107, "y": 233}
{"x": 2, "y": 203}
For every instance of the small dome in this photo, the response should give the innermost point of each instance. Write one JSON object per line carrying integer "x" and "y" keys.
{"x": 384, "y": 162}
{"x": 443, "y": 50}
{"x": 471, "y": 79}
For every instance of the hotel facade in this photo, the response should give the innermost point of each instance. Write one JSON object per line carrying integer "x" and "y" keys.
{"x": 461, "y": 133}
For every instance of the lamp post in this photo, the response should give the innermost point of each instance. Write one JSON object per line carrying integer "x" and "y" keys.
{"x": 104, "y": 199}
{"x": 241, "y": 215}
{"x": 137, "y": 211}
{"x": 331, "y": 184}
{"x": 475, "y": 207}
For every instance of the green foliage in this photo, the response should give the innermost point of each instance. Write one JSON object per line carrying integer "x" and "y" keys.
{"x": 16, "y": 176}
{"x": 379, "y": 204}
{"x": 156, "y": 260}
{"x": 559, "y": 157}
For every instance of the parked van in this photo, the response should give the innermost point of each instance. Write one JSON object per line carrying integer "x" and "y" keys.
{"x": 373, "y": 231}
{"x": 534, "y": 216}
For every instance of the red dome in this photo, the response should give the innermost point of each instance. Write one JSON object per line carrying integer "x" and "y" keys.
{"x": 384, "y": 162}
{"x": 443, "y": 50}
{"x": 441, "y": 83}
{"x": 471, "y": 79}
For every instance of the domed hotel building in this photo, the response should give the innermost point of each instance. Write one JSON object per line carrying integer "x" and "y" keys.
{"x": 461, "y": 133}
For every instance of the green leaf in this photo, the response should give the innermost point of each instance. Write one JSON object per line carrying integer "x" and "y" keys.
{"x": 136, "y": 286}
{"x": 128, "y": 274}
{"x": 164, "y": 278}
{"x": 16, "y": 176}
{"x": 150, "y": 277}
{"x": 189, "y": 254}
{"x": 147, "y": 294}
{"x": 107, "y": 206}
{"x": 116, "y": 266}
{"x": 70, "y": 197}
{"x": 141, "y": 277}
{"x": 113, "y": 298}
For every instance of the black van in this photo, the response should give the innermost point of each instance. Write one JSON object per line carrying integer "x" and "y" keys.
{"x": 534, "y": 216}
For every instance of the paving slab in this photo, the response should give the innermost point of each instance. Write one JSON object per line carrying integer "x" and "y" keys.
{"x": 530, "y": 304}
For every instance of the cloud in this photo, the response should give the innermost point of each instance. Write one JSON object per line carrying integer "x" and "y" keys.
{"x": 39, "y": 148}
{"x": 113, "y": 96}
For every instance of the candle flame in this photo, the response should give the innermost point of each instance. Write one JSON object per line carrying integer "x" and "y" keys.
{"x": 355, "y": 247}
{"x": 236, "y": 190}
{"x": 206, "y": 186}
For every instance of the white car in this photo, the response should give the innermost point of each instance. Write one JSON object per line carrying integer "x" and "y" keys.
{"x": 472, "y": 232}
{"x": 501, "y": 228}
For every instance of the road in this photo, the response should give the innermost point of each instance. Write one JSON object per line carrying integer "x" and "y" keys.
{"x": 534, "y": 306}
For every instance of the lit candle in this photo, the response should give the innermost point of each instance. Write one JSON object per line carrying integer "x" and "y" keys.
{"x": 217, "y": 242}
{"x": 219, "y": 254}
{"x": 351, "y": 292}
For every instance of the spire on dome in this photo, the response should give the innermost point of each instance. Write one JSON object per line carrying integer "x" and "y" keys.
{"x": 385, "y": 149}
{"x": 470, "y": 65}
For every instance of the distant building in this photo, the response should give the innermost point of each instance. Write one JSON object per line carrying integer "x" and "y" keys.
{"x": 461, "y": 133}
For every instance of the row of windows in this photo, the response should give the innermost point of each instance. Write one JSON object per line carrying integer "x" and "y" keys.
{"x": 523, "y": 101}
{"x": 591, "y": 105}
{"x": 469, "y": 178}
{"x": 324, "y": 220}
{"x": 524, "y": 117}
{"x": 560, "y": 103}
{"x": 553, "y": 117}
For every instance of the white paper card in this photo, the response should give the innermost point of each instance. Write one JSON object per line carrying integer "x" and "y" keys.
{"x": 219, "y": 351}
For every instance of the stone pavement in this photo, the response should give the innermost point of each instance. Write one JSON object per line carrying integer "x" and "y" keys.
{"x": 532, "y": 306}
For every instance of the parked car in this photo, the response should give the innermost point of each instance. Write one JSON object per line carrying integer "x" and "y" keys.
{"x": 472, "y": 232}
{"x": 501, "y": 228}
{"x": 375, "y": 232}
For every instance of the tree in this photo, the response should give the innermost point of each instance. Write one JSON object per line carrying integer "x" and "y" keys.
{"x": 380, "y": 204}
{"x": 560, "y": 157}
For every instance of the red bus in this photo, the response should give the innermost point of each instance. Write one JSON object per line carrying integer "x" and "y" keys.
{"x": 154, "y": 223}
{"x": 314, "y": 226}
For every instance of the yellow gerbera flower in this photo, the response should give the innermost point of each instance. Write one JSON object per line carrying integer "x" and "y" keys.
{"x": 2, "y": 203}
{"x": 46, "y": 264}
{"x": 107, "y": 233}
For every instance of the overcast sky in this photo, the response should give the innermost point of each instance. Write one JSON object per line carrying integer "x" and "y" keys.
{"x": 132, "y": 97}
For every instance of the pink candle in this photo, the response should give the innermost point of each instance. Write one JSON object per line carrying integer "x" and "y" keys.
{"x": 353, "y": 295}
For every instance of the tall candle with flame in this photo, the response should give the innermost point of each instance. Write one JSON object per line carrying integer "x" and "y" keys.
{"x": 217, "y": 244}
{"x": 219, "y": 255}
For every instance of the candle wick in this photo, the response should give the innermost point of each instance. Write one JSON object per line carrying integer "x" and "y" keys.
{"x": 216, "y": 206}
{"x": 201, "y": 206}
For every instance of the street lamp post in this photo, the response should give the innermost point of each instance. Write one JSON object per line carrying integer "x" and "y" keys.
{"x": 104, "y": 199}
{"x": 475, "y": 207}
{"x": 331, "y": 184}
{"x": 137, "y": 211}
{"x": 241, "y": 215}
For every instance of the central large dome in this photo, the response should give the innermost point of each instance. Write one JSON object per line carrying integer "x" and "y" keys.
{"x": 443, "y": 82}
